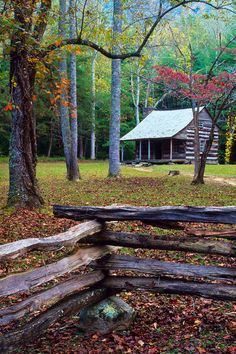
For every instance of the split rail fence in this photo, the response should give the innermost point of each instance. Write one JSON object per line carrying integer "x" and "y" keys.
{"x": 95, "y": 248}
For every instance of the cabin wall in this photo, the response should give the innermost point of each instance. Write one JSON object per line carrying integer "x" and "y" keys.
{"x": 205, "y": 124}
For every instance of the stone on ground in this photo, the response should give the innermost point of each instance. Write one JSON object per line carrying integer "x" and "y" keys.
{"x": 106, "y": 316}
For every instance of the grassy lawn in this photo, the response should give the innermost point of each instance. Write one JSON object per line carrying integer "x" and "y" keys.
{"x": 164, "y": 324}
{"x": 150, "y": 186}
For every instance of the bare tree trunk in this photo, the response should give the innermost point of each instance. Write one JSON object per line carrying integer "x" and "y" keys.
{"x": 136, "y": 93}
{"x": 137, "y": 96}
{"x": 23, "y": 190}
{"x": 73, "y": 173}
{"x": 114, "y": 134}
{"x": 64, "y": 111}
{"x": 148, "y": 89}
{"x": 81, "y": 146}
{"x": 50, "y": 138}
{"x": 197, "y": 158}
{"x": 199, "y": 179}
{"x": 93, "y": 125}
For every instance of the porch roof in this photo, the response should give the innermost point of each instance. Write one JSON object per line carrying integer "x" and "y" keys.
{"x": 161, "y": 124}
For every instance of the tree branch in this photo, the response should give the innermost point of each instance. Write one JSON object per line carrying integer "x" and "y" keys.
{"x": 137, "y": 53}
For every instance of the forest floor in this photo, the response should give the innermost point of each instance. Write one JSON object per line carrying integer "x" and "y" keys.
{"x": 167, "y": 324}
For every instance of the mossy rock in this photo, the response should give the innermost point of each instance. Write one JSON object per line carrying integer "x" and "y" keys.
{"x": 106, "y": 316}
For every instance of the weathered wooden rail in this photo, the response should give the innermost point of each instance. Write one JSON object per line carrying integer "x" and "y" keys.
{"x": 95, "y": 247}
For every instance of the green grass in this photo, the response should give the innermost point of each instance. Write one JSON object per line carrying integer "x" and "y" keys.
{"x": 136, "y": 186}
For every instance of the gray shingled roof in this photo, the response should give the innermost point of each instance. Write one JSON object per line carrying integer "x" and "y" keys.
{"x": 161, "y": 124}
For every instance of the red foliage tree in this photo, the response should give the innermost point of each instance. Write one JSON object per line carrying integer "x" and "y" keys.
{"x": 200, "y": 90}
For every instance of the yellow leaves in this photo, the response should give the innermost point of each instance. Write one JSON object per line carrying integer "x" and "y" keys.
{"x": 13, "y": 81}
{"x": 73, "y": 49}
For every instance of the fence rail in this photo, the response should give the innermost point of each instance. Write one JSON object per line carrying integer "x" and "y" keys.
{"x": 95, "y": 247}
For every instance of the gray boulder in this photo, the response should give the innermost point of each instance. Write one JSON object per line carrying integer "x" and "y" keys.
{"x": 106, "y": 316}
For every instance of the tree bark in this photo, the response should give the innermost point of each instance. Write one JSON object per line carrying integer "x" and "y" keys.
{"x": 73, "y": 173}
{"x": 50, "y": 138}
{"x": 195, "y": 110}
{"x": 93, "y": 125}
{"x": 199, "y": 173}
{"x": 114, "y": 133}
{"x": 23, "y": 190}
{"x": 64, "y": 111}
{"x": 136, "y": 93}
{"x": 170, "y": 286}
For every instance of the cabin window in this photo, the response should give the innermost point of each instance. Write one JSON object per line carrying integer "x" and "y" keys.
{"x": 201, "y": 125}
{"x": 202, "y": 145}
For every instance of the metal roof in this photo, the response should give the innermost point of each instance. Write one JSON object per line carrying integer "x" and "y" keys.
{"x": 161, "y": 124}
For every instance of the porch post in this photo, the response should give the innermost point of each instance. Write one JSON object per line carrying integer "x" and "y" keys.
{"x": 140, "y": 150}
{"x": 149, "y": 149}
{"x": 171, "y": 149}
{"x": 122, "y": 152}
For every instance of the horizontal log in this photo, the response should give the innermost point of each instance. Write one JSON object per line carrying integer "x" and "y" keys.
{"x": 155, "y": 267}
{"x": 68, "y": 238}
{"x": 170, "y": 286}
{"x": 48, "y": 297}
{"x": 230, "y": 234}
{"x": 225, "y": 215}
{"x": 33, "y": 330}
{"x": 15, "y": 283}
{"x": 126, "y": 239}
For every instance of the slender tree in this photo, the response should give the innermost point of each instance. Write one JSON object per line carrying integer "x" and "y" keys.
{"x": 64, "y": 83}
{"x": 93, "y": 123}
{"x": 74, "y": 168}
{"x": 114, "y": 134}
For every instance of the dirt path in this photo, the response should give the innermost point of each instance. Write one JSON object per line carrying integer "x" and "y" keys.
{"x": 222, "y": 180}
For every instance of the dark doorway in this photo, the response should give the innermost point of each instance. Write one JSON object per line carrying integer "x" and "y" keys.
{"x": 158, "y": 150}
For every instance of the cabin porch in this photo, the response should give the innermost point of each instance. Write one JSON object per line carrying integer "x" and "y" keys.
{"x": 159, "y": 150}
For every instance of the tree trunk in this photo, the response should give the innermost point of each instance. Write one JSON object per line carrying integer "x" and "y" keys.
{"x": 81, "y": 146}
{"x": 137, "y": 96}
{"x": 114, "y": 134}
{"x": 136, "y": 93}
{"x": 64, "y": 111}
{"x": 23, "y": 190}
{"x": 50, "y": 138}
{"x": 73, "y": 173}
{"x": 199, "y": 177}
{"x": 93, "y": 125}
{"x": 197, "y": 158}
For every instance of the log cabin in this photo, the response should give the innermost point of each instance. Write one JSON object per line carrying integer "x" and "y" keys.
{"x": 168, "y": 136}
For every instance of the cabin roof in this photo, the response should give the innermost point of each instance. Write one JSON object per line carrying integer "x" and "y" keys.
{"x": 161, "y": 124}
